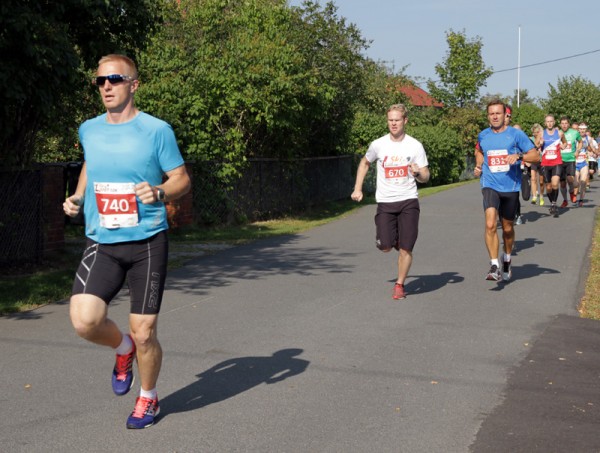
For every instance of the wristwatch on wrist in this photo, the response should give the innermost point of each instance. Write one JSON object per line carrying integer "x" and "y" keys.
{"x": 160, "y": 194}
{"x": 520, "y": 155}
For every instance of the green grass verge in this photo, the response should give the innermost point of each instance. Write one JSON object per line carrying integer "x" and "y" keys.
{"x": 590, "y": 303}
{"x": 51, "y": 280}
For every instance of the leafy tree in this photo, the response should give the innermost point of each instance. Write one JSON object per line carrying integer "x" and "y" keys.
{"x": 467, "y": 122}
{"x": 47, "y": 49}
{"x": 577, "y": 98}
{"x": 523, "y": 98}
{"x": 225, "y": 77}
{"x": 444, "y": 152}
{"x": 527, "y": 115}
{"x": 381, "y": 91}
{"x": 332, "y": 49}
{"x": 462, "y": 73}
{"x": 254, "y": 79}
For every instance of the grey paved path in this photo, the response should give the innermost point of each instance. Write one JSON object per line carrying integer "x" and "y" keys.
{"x": 295, "y": 345}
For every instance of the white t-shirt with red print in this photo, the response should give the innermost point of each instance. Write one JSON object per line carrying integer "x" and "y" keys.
{"x": 395, "y": 181}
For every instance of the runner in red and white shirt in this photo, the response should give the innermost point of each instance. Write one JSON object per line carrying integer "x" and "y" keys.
{"x": 554, "y": 141}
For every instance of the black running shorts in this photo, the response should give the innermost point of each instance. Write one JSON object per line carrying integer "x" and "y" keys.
{"x": 104, "y": 267}
{"x": 506, "y": 203}
{"x": 549, "y": 172}
{"x": 593, "y": 165}
{"x": 397, "y": 224}
{"x": 568, "y": 169}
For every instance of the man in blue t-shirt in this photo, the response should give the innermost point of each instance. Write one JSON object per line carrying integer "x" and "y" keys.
{"x": 127, "y": 154}
{"x": 498, "y": 154}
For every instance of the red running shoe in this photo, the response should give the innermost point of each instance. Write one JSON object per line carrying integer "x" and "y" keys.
{"x": 399, "y": 292}
{"x": 573, "y": 197}
{"x": 564, "y": 204}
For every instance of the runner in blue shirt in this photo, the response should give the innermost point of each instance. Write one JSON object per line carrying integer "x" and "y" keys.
{"x": 498, "y": 155}
{"x": 128, "y": 153}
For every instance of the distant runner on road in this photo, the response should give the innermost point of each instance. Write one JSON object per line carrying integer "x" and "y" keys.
{"x": 497, "y": 157}
{"x": 401, "y": 163}
{"x": 553, "y": 142}
{"x": 569, "y": 153}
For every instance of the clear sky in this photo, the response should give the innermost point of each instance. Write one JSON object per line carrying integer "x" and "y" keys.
{"x": 413, "y": 33}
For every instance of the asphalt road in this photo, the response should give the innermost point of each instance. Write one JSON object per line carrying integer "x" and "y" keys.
{"x": 294, "y": 344}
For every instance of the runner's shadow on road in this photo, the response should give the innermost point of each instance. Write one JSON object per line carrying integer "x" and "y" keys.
{"x": 427, "y": 283}
{"x": 524, "y": 272}
{"x": 533, "y": 216}
{"x": 232, "y": 377}
{"x": 524, "y": 244}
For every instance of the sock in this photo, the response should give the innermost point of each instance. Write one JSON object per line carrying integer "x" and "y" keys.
{"x": 125, "y": 347}
{"x": 494, "y": 262}
{"x": 506, "y": 257}
{"x": 151, "y": 394}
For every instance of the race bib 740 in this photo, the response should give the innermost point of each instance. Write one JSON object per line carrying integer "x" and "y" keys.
{"x": 117, "y": 204}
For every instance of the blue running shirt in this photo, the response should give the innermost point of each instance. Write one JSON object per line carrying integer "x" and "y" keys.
{"x": 496, "y": 174}
{"x": 117, "y": 157}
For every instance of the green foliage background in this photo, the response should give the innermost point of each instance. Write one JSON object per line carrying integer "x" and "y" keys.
{"x": 47, "y": 50}
{"x": 237, "y": 80}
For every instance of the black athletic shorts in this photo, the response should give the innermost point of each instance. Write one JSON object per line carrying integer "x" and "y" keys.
{"x": 104, "y": 267}
{"x": 397, "y": 224}
{"x": 506, "y": 203}
{"x": 549, "y": 172}
{"x": 568, "y": 169}
{"x": 593, "y": 165}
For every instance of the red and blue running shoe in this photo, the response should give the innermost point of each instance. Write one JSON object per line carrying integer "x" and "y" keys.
{"x": 122, "y": 377}
{"x": 144, "y": 413}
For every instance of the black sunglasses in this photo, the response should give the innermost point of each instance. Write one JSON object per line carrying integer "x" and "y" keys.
{"x": 112, "y": 78}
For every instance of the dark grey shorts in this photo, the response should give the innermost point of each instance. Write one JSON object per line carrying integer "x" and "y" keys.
{"x": 397, "y": 224}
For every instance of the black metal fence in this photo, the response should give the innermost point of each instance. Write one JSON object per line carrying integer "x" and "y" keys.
{"x": 270, "y": 188}
{"x": 20, "y": 216}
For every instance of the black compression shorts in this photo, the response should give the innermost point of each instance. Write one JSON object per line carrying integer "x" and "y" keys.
{"x": 104, "y": 267}
{"x": 549, "y": 172}
{"x": 506, "y": 203}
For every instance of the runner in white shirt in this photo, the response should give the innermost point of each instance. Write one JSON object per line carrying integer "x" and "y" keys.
{"x": 401, "y": 163}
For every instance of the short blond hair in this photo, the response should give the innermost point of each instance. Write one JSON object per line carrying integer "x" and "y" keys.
{"x": 536, "y": 128}
{"x": 399, "y": 107}
{"x": 122, "y": 59}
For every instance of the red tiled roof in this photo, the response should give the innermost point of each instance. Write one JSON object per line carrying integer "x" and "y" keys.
{"x": 419, "y": 97}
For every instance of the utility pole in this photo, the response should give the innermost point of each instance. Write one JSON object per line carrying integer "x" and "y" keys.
{"x": 519, "y": 71}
